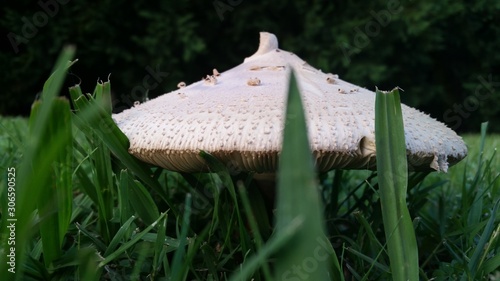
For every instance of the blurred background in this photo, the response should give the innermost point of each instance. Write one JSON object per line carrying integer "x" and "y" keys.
{"x": 444, "y": 55}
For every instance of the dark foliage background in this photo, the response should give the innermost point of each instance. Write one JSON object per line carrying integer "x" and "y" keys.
{"x": 443, "y": 54}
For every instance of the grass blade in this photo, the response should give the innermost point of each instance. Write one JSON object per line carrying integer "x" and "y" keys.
{"x": 222, "y": 171}
{"x": 92, "y": 116}
{"x": 31, "y": 174}
{"x": 178, "y": 266}
{"x": 160, "y": 249}
{"x": 130, "y": 243}
{"x": 120, "y": 234}
{"x": 55, "y": 199}
{"x": 393, "y": 178}
{"x": 124, "y": 200}
{"x": 142, "y": 202}
{"x": 478, "y": 256}
{"x": 298, "y": 197}
{"x": 253, "y": 226}
{"x": 274, "y": 244}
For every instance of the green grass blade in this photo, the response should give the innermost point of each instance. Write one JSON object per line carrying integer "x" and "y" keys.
{"x": 92, "y": 237}
{"x": 254, "y": 226}
{"x": 160, "y": 249}
{"x": 223, "y": 173}
{"x": 493, "y": 264}
{"x": 92, "y": 116}
{"x": 374, "y": 246}
{"x": 393, "y": 177}
{"x": 484, "y": 129}
{"x": 142, "y": 202}
{"x": 29, "y": 173}
{"x": 120, "y": 234}
{"x": 178, "y": 266}
{"x": 275, "y": 243}
{"x": 55, "y": 199}
{"x": 124, "y": 200}
{"x": 104, "y": 177}
{"x": 298, "y": 197}
{"x": 88, "y": 260}
{"x": 130, "y": 243}
{"x": 102, "y": 189}
{"x": 478, "y": 255}
{"x": 371, "y": 261}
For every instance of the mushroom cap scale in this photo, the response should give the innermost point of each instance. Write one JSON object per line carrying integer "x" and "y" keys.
{"x": 240, "y": 121}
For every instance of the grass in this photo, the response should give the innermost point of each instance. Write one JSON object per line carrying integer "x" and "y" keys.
{"x": 131, "y": 221}
{"x": 392, "y": 173}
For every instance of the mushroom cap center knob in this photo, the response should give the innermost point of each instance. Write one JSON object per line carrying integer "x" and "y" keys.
{"x": 268, "y": 42}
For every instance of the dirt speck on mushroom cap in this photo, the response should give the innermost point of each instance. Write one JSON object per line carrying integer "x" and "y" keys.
{"x": 242, "y": 124}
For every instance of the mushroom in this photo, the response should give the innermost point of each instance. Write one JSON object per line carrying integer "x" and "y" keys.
{"x": 241, "y": 124}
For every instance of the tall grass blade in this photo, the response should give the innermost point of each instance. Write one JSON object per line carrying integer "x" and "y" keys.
{"x": 275, "y": 244}
{"x": 56, "y": 197}
{"x": 178, "y": 266}
{"x": 29, "y": 174}
{"x": 142, "y": 202}
{"x": 393, "y": 178}
{"x": 223, "y": 172}
{"x": 92, "y": 116}
{"x": 478, "y": 255}
{"x": 120, "y": 234}
{"x": 124, "y": 206}
{"x": 102, "y": 189}
{"x": 160, "y": 249}
{"x": 130, "y": 243}
{"x": 254, "y": 226}
{"x": 298, "y": 197}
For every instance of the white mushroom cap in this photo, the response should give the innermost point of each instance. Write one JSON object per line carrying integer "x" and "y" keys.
{"x": 240, "y": 119}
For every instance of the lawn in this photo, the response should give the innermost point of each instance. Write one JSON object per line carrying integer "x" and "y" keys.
{"x": 87, "y": 210}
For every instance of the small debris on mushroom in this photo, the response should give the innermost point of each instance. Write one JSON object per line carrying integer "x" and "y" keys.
{"x": 136, "y": 103}
{"x": 181, "y": 85}
{"x": 253, "y": 82}
{"x": 307, "y": 66}
{"x": 215, "y": 72}
{"x": 330, "y": 79}
{"x": 210, "y": 80}
{"x": 277, "y": 67}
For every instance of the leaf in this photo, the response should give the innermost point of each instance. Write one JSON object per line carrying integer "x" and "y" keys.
{"x": 274, "y": 244}
{"x": 56, "y": 197}
{"x": 130, "y": 243}
{"x": 392, "y": 173}
{"x": 178, "y": 266}
{"x": 298, "y": 198}
{"x": 91, "y": 117}
{"x": 482, "y": 247}
{"x": 142, "y": 202}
